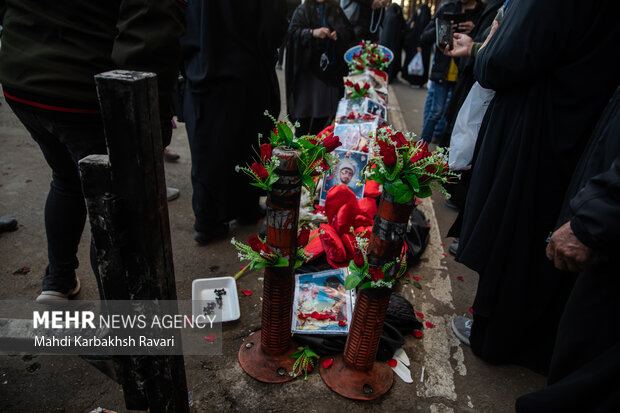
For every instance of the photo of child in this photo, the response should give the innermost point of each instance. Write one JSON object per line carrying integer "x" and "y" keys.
{"x": 321, "y": 304}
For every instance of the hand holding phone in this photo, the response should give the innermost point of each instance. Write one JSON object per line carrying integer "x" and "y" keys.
{"x": 443, "y": 34}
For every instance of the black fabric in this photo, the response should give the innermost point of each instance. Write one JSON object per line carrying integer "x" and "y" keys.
{"x": 364, "y": 19}
{"x": 412, "y": 41}
{"x": 585, "y": 368}
{"x": 466, "y": 69}
{"x": 391, "y": 36}
{"x": 399, "y": 321}
{"x": 417, "y": 236}
{"x": 230, "y": 55}
{"x": 531, "y": 138}
{"x": 304, "y": 52}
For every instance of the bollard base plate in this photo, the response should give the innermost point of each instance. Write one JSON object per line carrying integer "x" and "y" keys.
{"x": 356, "y": 384}
{"x": 265, "y": 367}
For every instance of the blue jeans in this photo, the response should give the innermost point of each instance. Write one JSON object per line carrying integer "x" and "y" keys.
{"x": 63, "y": 143}
{"x": 434, "y": 109}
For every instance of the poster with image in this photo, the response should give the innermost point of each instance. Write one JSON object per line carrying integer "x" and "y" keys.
{"x": 321, "y": 304}
{"x": 348, "y": 171}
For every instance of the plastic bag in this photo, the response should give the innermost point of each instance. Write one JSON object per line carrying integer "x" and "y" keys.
{"x": 416, "y": 66}
{"x": 467, "y": 126}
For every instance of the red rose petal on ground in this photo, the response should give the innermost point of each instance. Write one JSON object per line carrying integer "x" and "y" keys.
{"x": 444, "y": 254}
{"x": 471, "y": 310}
{"x": 418, "y": 201}
{"x": 419, "y": 314}
{"x": 246, "y": 292}
{"x": 210, "y": 338}
{"x": 392, "y": 363}
{"x": 429, "y": 325}
{"x": 416, "y": 278}
{"x": 443, "y": 245}
{"x": 418, "y": 334}
{"x": 460, "y": 278}
{"x": 328, "y": 363}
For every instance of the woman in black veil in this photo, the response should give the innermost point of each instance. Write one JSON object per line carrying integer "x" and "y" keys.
{"x": 413, "y": 29}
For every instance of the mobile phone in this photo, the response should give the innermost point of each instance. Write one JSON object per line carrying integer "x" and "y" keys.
{"x": 443, "y": 32}
{"x": 455, "y": 17}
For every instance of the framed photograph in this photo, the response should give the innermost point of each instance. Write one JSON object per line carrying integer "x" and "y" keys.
{"x": 346, "y": 106}
{"x": 371, "y": 107}
{"x": 348, "y": 172}
{"x": 321, "y": 304}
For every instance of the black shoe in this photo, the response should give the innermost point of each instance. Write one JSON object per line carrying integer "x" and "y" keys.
{"x": 8, "y": 224}
{"x": 215, "y": 233}
{"x": 251, "y": 218}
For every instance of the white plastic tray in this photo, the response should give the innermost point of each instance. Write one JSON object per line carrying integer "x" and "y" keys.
{"x": 203, "y": 289}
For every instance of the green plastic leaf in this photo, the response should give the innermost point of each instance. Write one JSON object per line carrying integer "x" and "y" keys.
{"x": 424, "y": 192}
{"x": 282, "y": 262}
{"x": 366, "y": 285}
{"x": 285, "y": 133}
{"x": 417, "y": 285}
{"x": 413, "y": 181}
{"x": 352, "y": 281}
{"x": 307, "y": 181}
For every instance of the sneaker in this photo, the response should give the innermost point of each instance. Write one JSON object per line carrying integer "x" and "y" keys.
{"x": 462, "y": 328}
{"x": 450, "y": 204}
{"x": 172, "y": 193}
{"x": 170, "y": 156}
{"x": 454, "y": 247}
{"x": 49, "y": 296}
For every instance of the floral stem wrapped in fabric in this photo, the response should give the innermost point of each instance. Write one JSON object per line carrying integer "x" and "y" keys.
{"x": 315, "y": 157}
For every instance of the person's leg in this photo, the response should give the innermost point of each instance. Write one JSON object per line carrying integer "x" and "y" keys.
{"x": 433, "y": 109}
{"x": 63, "y": 144}
{"x": 440, "y": 127}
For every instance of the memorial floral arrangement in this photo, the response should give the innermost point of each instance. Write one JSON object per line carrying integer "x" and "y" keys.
{"x": 305, "y": 360}
{"x": 261, "y": 255}
{"x": 355, "y": 90}
{"x": 315, "y": 158}
{"x": 373, "y": 277}
{"x": 370, "y": 55}
{"x": 406, "y": 168}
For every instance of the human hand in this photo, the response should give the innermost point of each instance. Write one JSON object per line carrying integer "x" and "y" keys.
{"x": 568, "y": 253}
{"x": 461, "y": 46}
{"x": 321, "y": 33}
{"x": 377, "y": 4}
{"x": 465, "y": 27}
{"x": 333, "y": 35}
{"x": 494, "y": 27}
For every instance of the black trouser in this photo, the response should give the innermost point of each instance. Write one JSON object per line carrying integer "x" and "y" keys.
{"x": 63, "y": 143}
{"x": 223, "y": 122}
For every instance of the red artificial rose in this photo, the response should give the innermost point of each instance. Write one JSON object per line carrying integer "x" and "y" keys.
{"x": 376, "y": 273}
{"x": 387, "y": 152}
{"x": 417, "y": 334}
{"x": 386, "y": 59}
{"x": 266, "y": 152}
{"x": 392, "y": 363}
{"x": 304, "y": 236}
{"x": 415, "y": 277}
{"x": 356, "y": 87}
{"x": 257, "y": 245}
{"x": 259, "y": 170}
{"x": 342, "y": 323}
{"x": 348, "y": 83}
{"x": 399, "y": 139}
{"x": 331, "y": 142}
{"x": 359, "y": 67}
{"x": 366, "y": 86}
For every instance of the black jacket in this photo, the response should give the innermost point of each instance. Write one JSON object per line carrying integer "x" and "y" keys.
{"x": 441, "y": 62}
